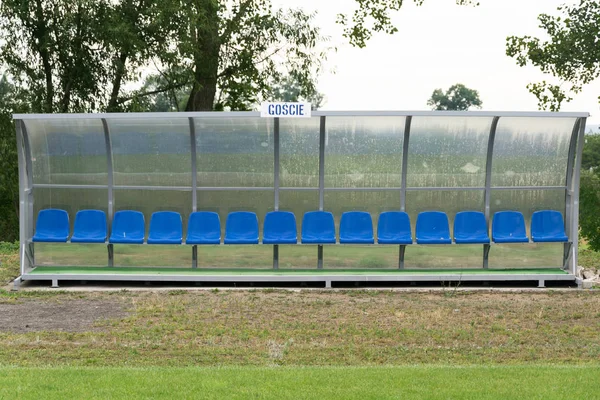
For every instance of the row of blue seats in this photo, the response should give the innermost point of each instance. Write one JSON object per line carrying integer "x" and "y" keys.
{"x": 318, "y": 227}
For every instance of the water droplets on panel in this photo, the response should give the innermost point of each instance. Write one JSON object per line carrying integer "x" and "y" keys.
{"x": 448, "y": 151}
{"x": 68, "y": 152}
{"x": 363, "y": 151}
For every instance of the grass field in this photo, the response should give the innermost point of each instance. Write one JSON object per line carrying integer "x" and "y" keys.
{"x": 418, "y": 382}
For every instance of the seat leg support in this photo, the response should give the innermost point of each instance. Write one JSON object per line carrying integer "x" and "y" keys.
{"x": 486, "y": 255}
{"x": 541, "y": 283}
{"x": 54, "y": 283}
{"x": 111, "y": 255}
{"x": 276, "y": 256}
{"x": 401, "y": 253}
{"x": 566, "y": 255}
{"x": 194, "y": 256}
{"x": 320, "y": 256}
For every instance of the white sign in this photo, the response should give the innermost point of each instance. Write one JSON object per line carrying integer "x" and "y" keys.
{"x": 285, "y": 110}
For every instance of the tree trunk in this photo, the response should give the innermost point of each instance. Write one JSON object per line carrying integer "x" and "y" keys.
{"x": 41, "y": 35}
{"x": 116, "y": 85}
{"x": 206, "y": 58}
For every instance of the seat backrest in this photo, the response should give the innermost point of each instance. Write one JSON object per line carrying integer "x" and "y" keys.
{"x": 204, "y": 227}
{"x": 393, "y": 227}
{"x": 470, "y": 226}
{"x": 90, "y": 225}
{"x": 318, "y": 227}
{"x": 508, "y": 224}
{"x": 128, "y": 225}
{"x": 280, "y": 227}
{"x": 165, "y": 227}
{"x": 52, "y": 225}
{"x": 433, "y": 227}
{"x": 241, "y": 227}
{"x": 356, "y": 227}
{"x": 548, "y": 225}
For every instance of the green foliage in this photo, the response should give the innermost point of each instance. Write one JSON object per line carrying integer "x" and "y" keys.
{"x": 589, "y": 205}
{"x": 290, "y": 90}
{"x": 591, "y": 153}
{"x": 457, "y": 98}
{"x": 372, "y": 16}
{"x": 571, "y": 54}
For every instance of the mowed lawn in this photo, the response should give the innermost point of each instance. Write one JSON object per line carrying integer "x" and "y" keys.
{"x": 416, "y": 382}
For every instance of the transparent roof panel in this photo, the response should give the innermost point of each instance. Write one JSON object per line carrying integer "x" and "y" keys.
{"x": 151, "y": 152}
{"x": 448, "y": 151}
{"x": 363, "y": 151}
{"x": 531, "y": 151}
{"x": 234, "y": 152}
{"x": 68, "y": 152}
{"x": 299, "y": 152}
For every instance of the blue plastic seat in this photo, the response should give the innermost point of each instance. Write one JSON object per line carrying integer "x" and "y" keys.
{"x": 393, "y": 227}
{"x": 509, "y": 227}
{"x": 280, "y": 228}
{"x": 128, "y": 227}
{"x": 318, "y": 227}
{"x": 90, "y": 227}
{"x": 356, "y": 227}
{"x": 470, "y": 227}
{"x": 548, "y": 226}
{"x": 241, "y": 228}
{"x": 204, "y": 227}
{"x": 52, "y": 225}
{"x": 165, "y": 228}
{"x": 433, "y": 228}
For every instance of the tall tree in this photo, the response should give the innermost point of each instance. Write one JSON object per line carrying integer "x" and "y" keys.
{"x": 457, "y": 98}
{"x": 571, "y": 53}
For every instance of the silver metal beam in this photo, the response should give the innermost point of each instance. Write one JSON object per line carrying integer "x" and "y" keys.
{"x": 194, "y": 168}
{"x": 574, "y": 234}
{"x": 322, "y": 133}
{"x": 276, "y": 151}
{"x": 404, "y": 171}
{"x": 569, "y": 192}
{"x": 488, "y": 184}
{"x": 68, "y": 186}
{"x": 29, "y": 190}
{"x": 358, "y": 113}
{"x": 23, "y": 194}
{"x": 110, "y": 183}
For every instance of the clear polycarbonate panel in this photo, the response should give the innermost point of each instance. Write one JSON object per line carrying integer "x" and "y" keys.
{"x": 234, "y": 152}
{"x": 531, "y": 151}
{"x": 448, "y": 201}
{"x": 135, "y": 255}
{"x": 68, "y": 152}
{"x": 151, "y": 152}
{"x": 361, "y": 256}
{"x": 299, "y": 152}
{"x": 299, "y": 202}
{"x": 70, "y": 200}
{"x": 298, "y": 256}
{"x": 224, "y": 202}
{"x": 374, "y": 202}
{"x": 527, "y": 201}
{"x": 363, "y": 151}
{"x": 448, "y": 151}
{"x": 465, "y": 256}
{"x": 150, "y": 201}
{"x": 526, "y": 255}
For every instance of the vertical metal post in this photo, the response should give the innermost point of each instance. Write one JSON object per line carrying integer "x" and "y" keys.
{"x": 322, "y": 134}
{"x": 404, "y": 171}
{"x": 574, "y": 230}
{"x": 276, "y": 184}
{"x": 194, "y": 171}
{"x": 488, "y": 184}
{"x": 23, "y": 209}
{"x": 569, "y": 190}
{"x": 402, "y": 250}
{"x": 29, "y": 194}
{"x": 110, "y": 183}
{"x": 194, "y": 183}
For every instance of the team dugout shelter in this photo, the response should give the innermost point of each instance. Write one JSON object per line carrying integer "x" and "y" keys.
{"x": 333, "y": 198}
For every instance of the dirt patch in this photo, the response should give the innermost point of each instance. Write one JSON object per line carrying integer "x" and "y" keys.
{"x": 73, "y": 315}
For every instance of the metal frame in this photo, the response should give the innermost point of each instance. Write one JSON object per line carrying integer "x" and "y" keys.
{"x": 27, "y": 185}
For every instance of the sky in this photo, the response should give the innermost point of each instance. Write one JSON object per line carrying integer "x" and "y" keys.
{"x": 437, "y": 45}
